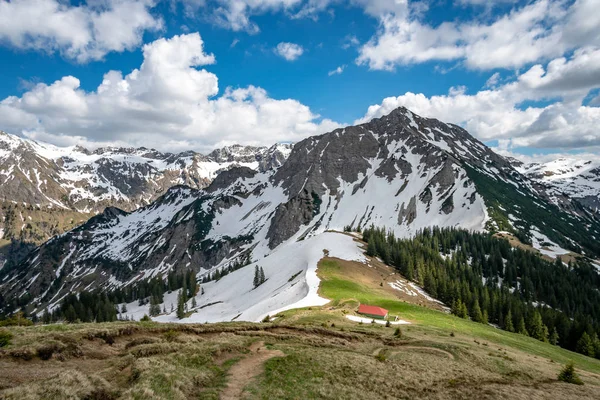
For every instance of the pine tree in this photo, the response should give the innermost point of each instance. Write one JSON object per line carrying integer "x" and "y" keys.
{"x": 123, "y": 309}
{"x": 46, "y": 318}
{"x": 262, "y": 276}
{"x": 585, "y": 345}
{"x": 194, "y": 304}
{"x": 508, "y": 322}
{"x": 537, "y": 328}
{"x": 596, "y": 344}
{"x": 521, "y": 327}
{"x": 476, "y": 312}
{"x": 554, "y": 337}
{"x": 256, "y": 277}
{"x": 154, "y": 307}
{"x": 181, "y": 301}
{"x": 371, "y": 248}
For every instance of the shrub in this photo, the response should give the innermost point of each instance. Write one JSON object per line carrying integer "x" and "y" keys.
{"x": 267, "y": 319}
{"x": 5, "y": 337}
{"x": 171, "y": 335}
{"x": 381, "y": 357}
{"x": 23, "y": 353}
{"x": 398, "y": 333}
{"x": 46, "y": 351}
{"x": 145, "y": 318}
{"x": 568, "y": 375}
{"x": 387, "y": 323}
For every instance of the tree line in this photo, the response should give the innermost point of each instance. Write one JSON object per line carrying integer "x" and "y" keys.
{"x": 485, "y": 279}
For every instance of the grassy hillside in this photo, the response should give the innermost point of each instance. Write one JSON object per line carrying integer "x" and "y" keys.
{"x": 306, "y": 353}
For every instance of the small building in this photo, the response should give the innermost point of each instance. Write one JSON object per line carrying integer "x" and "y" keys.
{"x": 373, "y": 311}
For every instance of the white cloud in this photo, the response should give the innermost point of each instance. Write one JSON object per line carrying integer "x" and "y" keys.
{"x": 168, "y": 103}
{"x": 236, "y": 14}
{"x": 289, "y": 51}
{"x": 82, "y": 33}
{"x": 337, "y": 71}
{"x": 537, "y": 31}
{"x": 497, "y": 113}
{"x": 350, "y": 41}
{"x": 493, "y": 80}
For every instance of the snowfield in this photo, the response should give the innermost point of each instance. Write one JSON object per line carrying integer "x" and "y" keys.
{"x": 292, "y": 282}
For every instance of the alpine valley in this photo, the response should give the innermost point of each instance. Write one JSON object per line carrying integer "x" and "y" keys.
{"x": 261, "y": 272}
{"x": 401, "y": 172}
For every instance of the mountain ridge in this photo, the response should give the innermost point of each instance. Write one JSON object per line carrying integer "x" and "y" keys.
{"x": 401, "y": 172}
{"x": 573, "y": 176}
{"x": 47, "y": 190}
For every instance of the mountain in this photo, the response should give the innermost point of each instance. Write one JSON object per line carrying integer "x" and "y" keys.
{"x": 401, "y": 172}
{"x": 46, "y": 190}
{"x": 577, "y": 178}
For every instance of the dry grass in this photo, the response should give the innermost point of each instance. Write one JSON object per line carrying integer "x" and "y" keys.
{"x": 326, "y": 356}
{"x": 347, "y": 361}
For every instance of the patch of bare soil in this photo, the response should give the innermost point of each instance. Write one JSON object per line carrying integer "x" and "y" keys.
{"x": 246, "y": 369}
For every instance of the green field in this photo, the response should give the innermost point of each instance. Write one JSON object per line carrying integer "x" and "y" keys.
{"x": 335, "y": 286}
{"x": 311, "y": 353}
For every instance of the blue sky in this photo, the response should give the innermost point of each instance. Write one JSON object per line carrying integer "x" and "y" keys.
{"x": 534, "y": 90}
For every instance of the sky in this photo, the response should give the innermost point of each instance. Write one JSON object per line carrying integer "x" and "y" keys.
{"x": 176, "y": 75}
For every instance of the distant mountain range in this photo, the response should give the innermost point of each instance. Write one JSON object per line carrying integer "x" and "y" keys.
{"x": 577, "y": 178}
{"x": 46, "y": 190}
{"x": 401, "y": 172}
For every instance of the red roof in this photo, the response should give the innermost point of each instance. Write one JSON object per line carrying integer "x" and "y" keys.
{"x": 372, "y": 310}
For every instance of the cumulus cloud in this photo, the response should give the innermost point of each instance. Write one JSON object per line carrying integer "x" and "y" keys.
{"x": 537, "y": 31}
{"x": 497, "y": 113}
{"x": 289, "y": 51}
{"x": 81, "y": 33}
{"x": 168, "y": 103}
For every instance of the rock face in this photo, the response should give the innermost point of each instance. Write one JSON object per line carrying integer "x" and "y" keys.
{"x": 576, "y": 178}
{"x": 401, "y": 172}
{"x": 46, "y": 190}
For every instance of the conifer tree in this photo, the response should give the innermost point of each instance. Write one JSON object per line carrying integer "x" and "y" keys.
{"x": 521, "y": 327}
{"x": 46, "y": 318}
{"x": 537, "y": 328}
{"x": 181, "y": 301}
{"x": 256, "y": 277}
{"x": 554, "y": 336}
{"x": 262, "y": 276}
{"x": 476, "y": 312}
{"x": 508, "y": 322}
{"x": 585, "y": 345}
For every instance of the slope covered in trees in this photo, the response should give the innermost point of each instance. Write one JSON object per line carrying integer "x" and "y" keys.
{"x": 485, "y": 279}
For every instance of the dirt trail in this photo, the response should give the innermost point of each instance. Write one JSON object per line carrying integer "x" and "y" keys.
{"x": 246, "y": 369}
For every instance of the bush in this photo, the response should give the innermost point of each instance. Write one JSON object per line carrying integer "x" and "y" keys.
{"x": 381, "y": 357}
{"x": 16, "y": 320}
{"x": 145, "y": 318}
{"x": 171, "y": 335}
{"x": 568, "y": 375}
{"x": 45, "y": 352}
{"x": 5, "y": 337}
{"x": 267, "y": 319}
{"x": 398, "y": 333}
{"x": 23, "y": 353}
{"x": 387, "y": 323}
